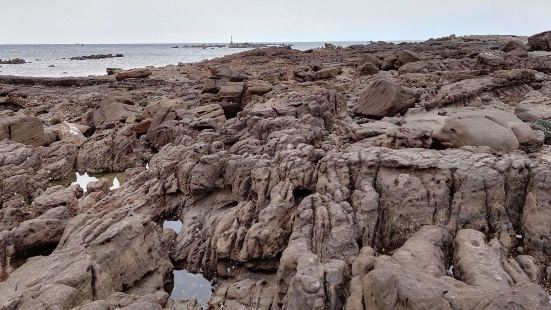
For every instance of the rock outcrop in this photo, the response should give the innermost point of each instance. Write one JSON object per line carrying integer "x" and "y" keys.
{"x": 540, "y": 41}
{"x": 98, "y": 56}
{"x": 379, "y": 176}
{"x": 132, "y": 74}
{"x": 23, "y": 129}
{"x": 15, "y": 61}
{"x": 384, "y": 98}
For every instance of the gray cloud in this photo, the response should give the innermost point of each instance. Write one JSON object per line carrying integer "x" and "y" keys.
{"x": 138, "y": 21}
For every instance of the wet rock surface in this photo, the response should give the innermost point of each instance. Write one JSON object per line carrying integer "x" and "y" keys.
{"x": 98, "y": 56}
{"x": 384, "y": 176}
{"x": 15, "y": 61}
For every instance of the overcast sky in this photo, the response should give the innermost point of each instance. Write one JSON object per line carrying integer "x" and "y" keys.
{"x": 172, "y": 21}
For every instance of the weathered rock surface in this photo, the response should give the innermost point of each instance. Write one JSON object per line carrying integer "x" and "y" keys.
{"x": 15, "y": 61}
{"x": 23, "y": 129}
{"x": 132, "y": 74}
{"x": 414, "y": 277}
{"x": 70, "y": 133}
{"x": 94, "y": 259}
{"x": 540, "y": 41}
{"x": 496, "y": 129}
{"x": 114, "y": 113}
{"x": 384, "y": 98}
{"x": 384, "y": 176}
{"x": 98, "y": 56}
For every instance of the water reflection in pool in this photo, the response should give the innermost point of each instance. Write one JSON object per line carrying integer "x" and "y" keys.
{"x": 174, "y": 225}
{"x": 85, "y": 178}
{"x": 189, "y": 286}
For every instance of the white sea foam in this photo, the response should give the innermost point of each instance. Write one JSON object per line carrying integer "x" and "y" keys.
{"x": 83, "y": 179}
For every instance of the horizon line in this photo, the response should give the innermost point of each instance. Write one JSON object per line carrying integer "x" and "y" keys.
{"x": 244, "y": 42}
{"x": 268, "y": 42}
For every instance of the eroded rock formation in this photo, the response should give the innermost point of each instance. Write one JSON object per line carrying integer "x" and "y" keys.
{"x": 384, "y": 176}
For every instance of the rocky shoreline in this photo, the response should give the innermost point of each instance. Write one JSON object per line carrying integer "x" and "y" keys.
{"x": 380, "y": 176}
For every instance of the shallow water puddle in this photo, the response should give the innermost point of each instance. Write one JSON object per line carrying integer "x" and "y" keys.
{"x": 85, "y": 178}
{"x": 174, "y": 225}
{"x": 189, "y": 286}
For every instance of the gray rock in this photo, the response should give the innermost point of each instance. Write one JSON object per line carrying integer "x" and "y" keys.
{"x": 327, "y": 73}
{"x": 383, "y": 98}
{"x": 23, "y": 129}
{"x": 115, "y": 113}
{"x": 497, "y": 129}
{"x": 540, "y": 41}
{"x": 70, "y": 133}
{"x": 132, "y": 74}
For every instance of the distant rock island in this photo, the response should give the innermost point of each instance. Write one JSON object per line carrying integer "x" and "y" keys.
{"x": 99, "y": 56}
{"x": 15, "y": 61}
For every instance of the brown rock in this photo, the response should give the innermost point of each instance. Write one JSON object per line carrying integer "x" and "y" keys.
{"x": 231, "y": 91}
{"x": 23, "y": 129}
{"x": 540, "y": 41}
{"x": 258, "y": 88}
{"x": 477, "y": 131}
{"x": 383, "y": 98}
{"x": 114, "y": 113}
{"x": 513, "y": 45}
{"x": 406, "y": 56}
{"x": 367, "y": 69}
{"x": 209, "y": 111}
{"x": 497, "y": 129}
{"x": 327, "y": 73}
{"x": 133, "y": 74}
{"x": 142, "y": 127}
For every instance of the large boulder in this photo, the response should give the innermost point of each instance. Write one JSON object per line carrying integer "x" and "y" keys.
{"x": 258, "y": 88}
{"x": 477, "y": 131}
{"x": 540, "y": 41}
{"x": 513, "y": 45}
{"x": 469, "y": 88}
{"x": 368, "y": 58}
{"x": 407, "y": 56}
{"x": 499, "y": 130}
{"x": 209, "y": 111}
{"x": 395, "y": 61}
{"x": 327, "y": 73}
{"x": 231, "y": 91}
{"x": 228, "y": 74}
{"x": 383, "y": 98}
{"x": 533, "y": 113}
{"x": 23, "y": 129}
{"x": 70, "y": 133}
{"x": 114, "y": 113}
{"x": 367, "y": 68}
{"x": 535, "y": 109}
{"x": 39, "y": 235}
{"x": 112, "y": 151}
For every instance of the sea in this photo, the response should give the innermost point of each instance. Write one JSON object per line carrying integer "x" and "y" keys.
{"x": 53, "y": 60}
